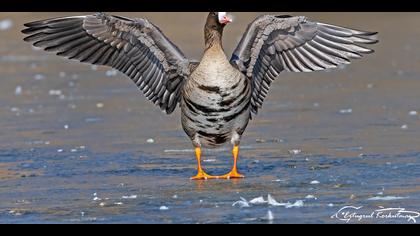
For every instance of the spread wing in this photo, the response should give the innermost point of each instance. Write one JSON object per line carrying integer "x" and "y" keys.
{"x": 272, "y": 44}
{"x": 135, "y": 47}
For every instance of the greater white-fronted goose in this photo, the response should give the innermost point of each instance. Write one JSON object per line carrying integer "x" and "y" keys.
{"x": 217, "y": 96}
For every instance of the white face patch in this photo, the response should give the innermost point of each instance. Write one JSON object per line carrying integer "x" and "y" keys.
{"x": 221, "y": 16}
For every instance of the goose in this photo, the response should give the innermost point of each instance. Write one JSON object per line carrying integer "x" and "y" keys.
{"x": 217, "y": 96}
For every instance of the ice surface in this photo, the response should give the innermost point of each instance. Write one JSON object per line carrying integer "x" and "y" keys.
{"x": 53, "y": 92}
{"x": 271, "y": 201}
{"x": 270, "y": 215}
{"x": 258, "y": 200}
{"x": 241, "y": 203}
{"x": 413, "y": 113}
{"x": 295, "y": 151}
{"x": 346, "y": 111}
{"x": 39, "y": 77}
{"x": 129, "y": 197}
{"x": 298, "y": 203}
{"x": 386, "y": 198}
{"x": 18, "y": 90}
{"x": 163, "y": 208}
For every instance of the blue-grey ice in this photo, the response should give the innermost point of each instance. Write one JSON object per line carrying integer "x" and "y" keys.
{"x": 345, "y": 111}
{"x": 163, "y": 208}
{"x": 386, "y": 198}
{"x": 129, "y": 197}
{"x": 241, "y": 203}
{"x": 258, "y": 200}
{"x": 18, "y": 90}
{"x": 413, "y": 113}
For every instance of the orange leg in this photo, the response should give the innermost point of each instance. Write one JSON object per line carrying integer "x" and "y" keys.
{"x": 201, "y": 175}
{"x": 234, "y": 172}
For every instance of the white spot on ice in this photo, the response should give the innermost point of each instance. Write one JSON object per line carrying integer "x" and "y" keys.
{"x": 279, "y": 180}
{"x": 314, "y": 182}
{"x": 295, "y": 151}
{"x": 18, "y": 90}
{"x": 385, "y": 198}
{"x": 270, "y": 216}
{"x": 99, "y": 105}
{"x": 241, "y": 203}
{"x": 258, "y": 200}
{"x": 150, "y": 140}
{"x": 129, "y": 197}
{"x": 271, "y": 201}
{"x": 413, "y": 113}
{"x": 55, "y": 92}
{"x": 404, "y": 127}
{"x": 298, "y": 203}
{"x": 346, "y": 111}
{"x": 163, "y": 208}
{"x": 310, "y": 197}
{"x": 39, "y": 77}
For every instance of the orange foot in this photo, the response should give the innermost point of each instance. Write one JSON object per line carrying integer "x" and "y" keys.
{"x": 202, "y": 176}
{"x": 232, "y": 175}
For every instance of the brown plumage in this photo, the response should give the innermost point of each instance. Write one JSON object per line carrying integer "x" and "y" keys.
{"x": 217, "y": 96}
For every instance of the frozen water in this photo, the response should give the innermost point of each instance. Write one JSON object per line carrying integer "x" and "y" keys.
{"x": 39, "y": 77}
{"x": 271, "y": 201}
{"x": 413, "y": 113}
{"x": 295, "y": 151}
{"x": 55, "y": 92}
{"x": 129, "y": 197}
{"x": 258, "y": 200}
{"x": 346, "y": 111}
{"x": 386, "y": 198}
{"x": 298, "y": 203}
{"x": 18, "y": 90}
{"x": 241, "y": 203}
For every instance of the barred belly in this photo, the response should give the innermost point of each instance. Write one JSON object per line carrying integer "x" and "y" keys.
{"x": 216, "y": 110}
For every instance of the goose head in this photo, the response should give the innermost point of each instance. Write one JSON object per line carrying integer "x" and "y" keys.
{"x": 213, "y": 31}
{"x": 218, "y": 20}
